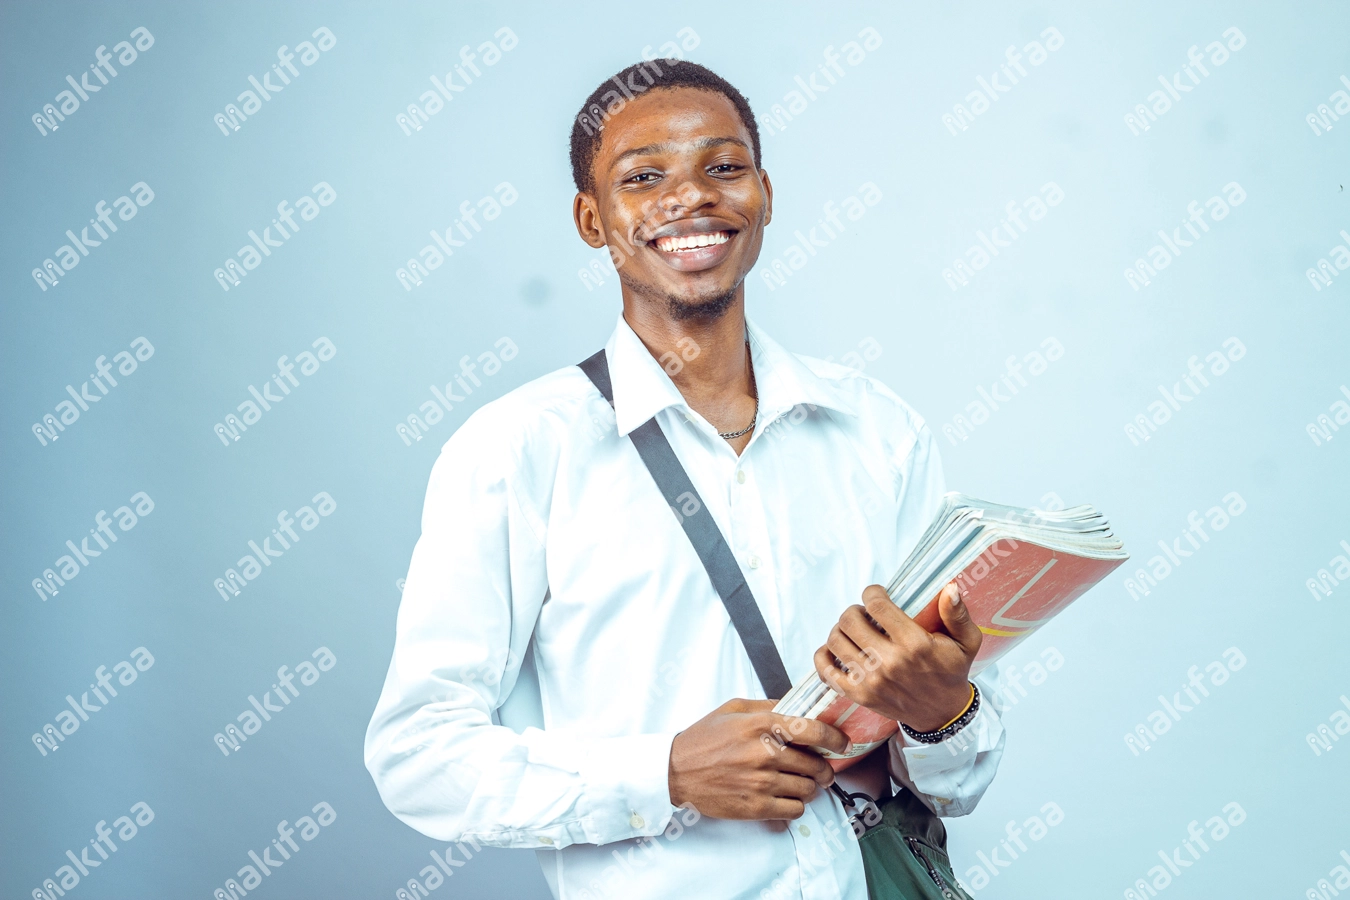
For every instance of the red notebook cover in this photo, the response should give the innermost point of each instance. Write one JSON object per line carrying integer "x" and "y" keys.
{"x": 1011, "y": 590}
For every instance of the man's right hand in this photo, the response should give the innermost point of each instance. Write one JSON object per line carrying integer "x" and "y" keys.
{"x": 742, "y": 761}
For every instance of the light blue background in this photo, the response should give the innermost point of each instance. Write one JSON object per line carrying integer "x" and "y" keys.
{"x": 881, "y": 123}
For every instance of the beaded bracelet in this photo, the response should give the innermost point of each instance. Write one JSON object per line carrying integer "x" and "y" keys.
{"x": 952, "y": 727}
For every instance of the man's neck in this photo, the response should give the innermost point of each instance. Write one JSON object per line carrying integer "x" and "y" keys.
{"x": 705, "y": 357}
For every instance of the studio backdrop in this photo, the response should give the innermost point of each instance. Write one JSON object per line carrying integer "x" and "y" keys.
{"x": 260, "y": 261}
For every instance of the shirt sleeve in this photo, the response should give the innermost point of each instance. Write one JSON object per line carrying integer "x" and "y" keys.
{"x": 952, "y": 776}
{"x": 474, "y": 590}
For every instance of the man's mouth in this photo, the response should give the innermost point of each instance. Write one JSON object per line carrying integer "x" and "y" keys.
{"x": 690, "y": 242}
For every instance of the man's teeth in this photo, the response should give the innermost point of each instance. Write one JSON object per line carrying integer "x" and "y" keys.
{"x": 691, "y": 241}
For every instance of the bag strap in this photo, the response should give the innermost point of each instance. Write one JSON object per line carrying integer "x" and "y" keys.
{"x": 728, "y": 580}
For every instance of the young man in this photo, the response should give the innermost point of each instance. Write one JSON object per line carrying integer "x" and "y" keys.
{"x": 565, "y": 677}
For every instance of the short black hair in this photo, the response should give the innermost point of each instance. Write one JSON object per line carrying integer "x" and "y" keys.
{"x": 647, "y": 75}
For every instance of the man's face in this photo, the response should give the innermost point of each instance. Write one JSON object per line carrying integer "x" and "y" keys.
{"x": 676, "y": 186}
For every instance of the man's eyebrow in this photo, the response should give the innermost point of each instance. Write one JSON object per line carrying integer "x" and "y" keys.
{"x": 705, "y": 143}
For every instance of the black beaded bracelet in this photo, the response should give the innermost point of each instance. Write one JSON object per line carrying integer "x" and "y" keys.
{"x": 937, "y": 737}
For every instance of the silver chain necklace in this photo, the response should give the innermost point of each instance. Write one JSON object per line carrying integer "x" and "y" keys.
{"x": 732, "y": 435}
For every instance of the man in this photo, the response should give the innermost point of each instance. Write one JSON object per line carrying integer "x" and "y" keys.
{"x": 565, "y": 676}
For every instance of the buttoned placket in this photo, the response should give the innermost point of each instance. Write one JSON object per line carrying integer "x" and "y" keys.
{"x": 816, "y": 843}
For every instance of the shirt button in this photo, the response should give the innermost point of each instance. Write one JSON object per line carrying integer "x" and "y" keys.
{"x": 740, "y": 476}
{"x": 803, "y": 831}
{"x": 753, "y": 561}
{"x": 636, "y": 821}
{"x": 546, "y": 840}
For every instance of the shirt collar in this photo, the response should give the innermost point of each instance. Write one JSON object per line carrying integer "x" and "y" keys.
{"x": 642, "y": 388}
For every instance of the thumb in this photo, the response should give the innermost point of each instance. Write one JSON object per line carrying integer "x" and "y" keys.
{"x": 957, "y": 621}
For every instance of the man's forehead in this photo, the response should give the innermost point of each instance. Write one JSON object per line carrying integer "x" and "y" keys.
{"x": 673, "y": 120}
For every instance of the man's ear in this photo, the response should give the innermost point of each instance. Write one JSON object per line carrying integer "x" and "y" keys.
{"x": 586, "y": 216}
{"x": 768, "y": 195}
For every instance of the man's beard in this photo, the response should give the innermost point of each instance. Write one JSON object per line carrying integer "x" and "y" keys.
{"x": 682, "y": 310}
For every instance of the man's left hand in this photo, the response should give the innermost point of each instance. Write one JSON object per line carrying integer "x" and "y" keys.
{"x": 893, "y": 667}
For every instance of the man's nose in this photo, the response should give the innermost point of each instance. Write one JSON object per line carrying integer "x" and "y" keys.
{"x": 688, "y": 195}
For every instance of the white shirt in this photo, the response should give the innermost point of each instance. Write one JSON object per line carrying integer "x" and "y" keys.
{"x": 553, "y": 592}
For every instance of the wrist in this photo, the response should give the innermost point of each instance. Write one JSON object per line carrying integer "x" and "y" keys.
{"x": 943, "y": 732}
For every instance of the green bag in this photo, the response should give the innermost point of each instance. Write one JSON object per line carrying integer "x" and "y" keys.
{"x": 904, "y": 851}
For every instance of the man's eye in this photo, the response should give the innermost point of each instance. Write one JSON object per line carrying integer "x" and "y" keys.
{"x": 644, "y": 177}
{"x": 725, "y": 169}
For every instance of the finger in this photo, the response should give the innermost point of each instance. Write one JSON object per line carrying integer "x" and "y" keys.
{"x": 793, "y": 787}
{"x": 891, "y": 618}
{"x": 812, "y": 733}
{"x": 805, "y": 763}
{"x": 860, "y": 627}
{"x": 827, "y": 670}
{"x": 882, "y": 608}
{"x": 956, "y": 619}
{"x": 742, "y": 705}
{"x": 852, "y": 657}
{"x": 780, "y": 808}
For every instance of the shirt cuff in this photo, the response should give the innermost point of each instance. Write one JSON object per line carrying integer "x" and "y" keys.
{"x": 956, "y": 752}
{"x": 628, "y": 788}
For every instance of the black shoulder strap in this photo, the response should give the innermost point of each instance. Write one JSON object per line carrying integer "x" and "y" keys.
{"x": 673, "y": 482}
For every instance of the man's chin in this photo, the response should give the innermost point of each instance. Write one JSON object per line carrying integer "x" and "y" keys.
{"x": 704, "y": 309}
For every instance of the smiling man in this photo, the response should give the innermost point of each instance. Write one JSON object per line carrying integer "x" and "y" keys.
{"x": 565, "y": 676}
